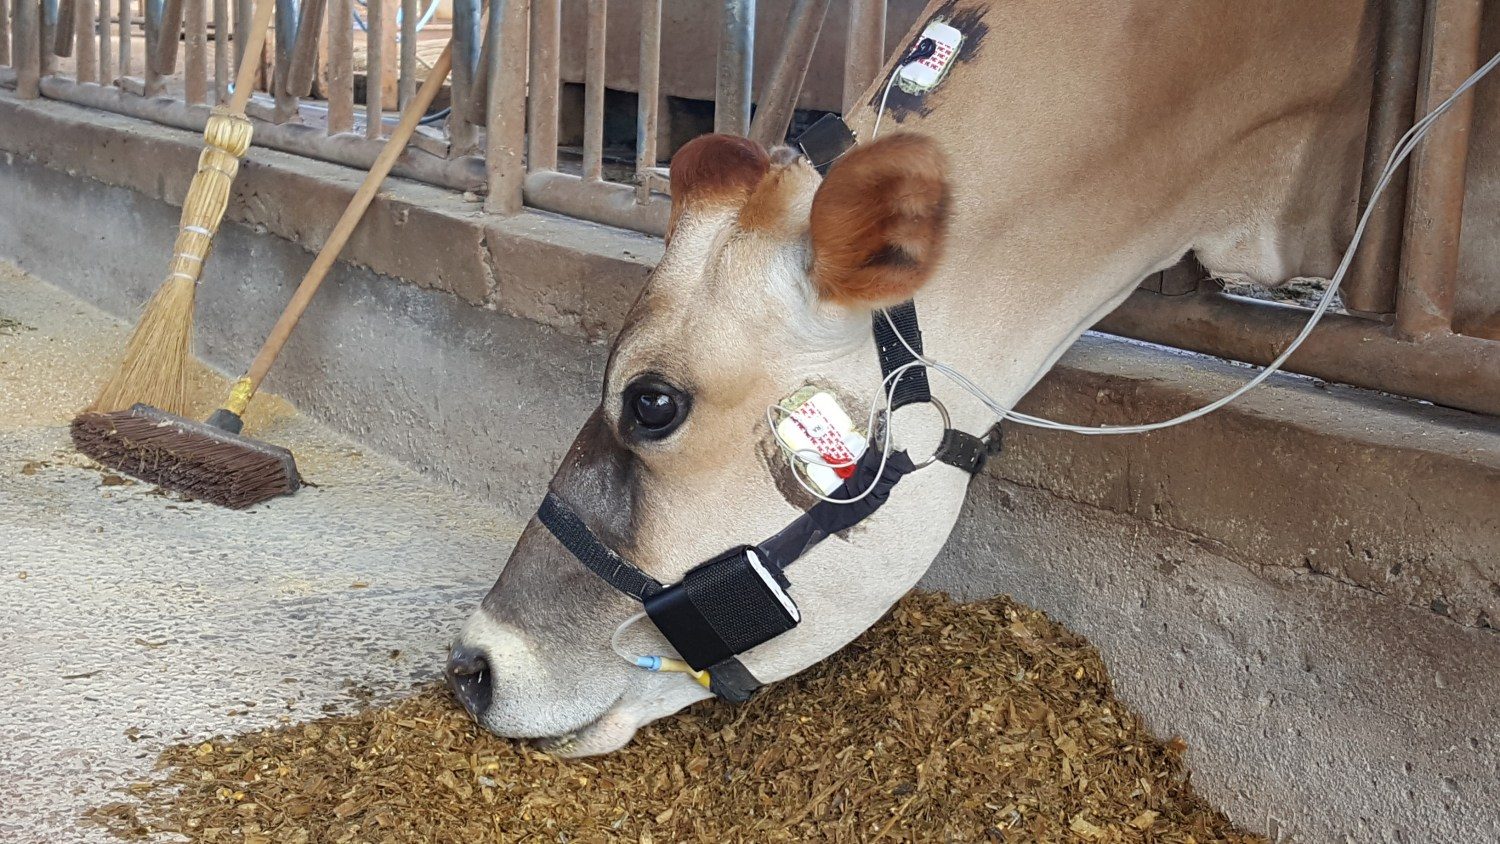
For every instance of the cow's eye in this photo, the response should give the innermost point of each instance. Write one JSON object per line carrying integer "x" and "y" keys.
{"x": 653, "y": 408}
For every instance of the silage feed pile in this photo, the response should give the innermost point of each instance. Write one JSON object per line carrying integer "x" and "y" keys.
{"x": 946, "y": 722}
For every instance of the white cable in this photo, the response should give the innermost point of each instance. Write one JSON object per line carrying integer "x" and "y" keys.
{"x": 1399, "y": 155}
{"x": 614, "y": 639}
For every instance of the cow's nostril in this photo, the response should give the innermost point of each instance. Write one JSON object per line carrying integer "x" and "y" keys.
{"x": 468, "y": 676}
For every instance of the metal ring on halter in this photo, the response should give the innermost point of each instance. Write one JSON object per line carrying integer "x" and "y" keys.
{"x": 947, "y": 423}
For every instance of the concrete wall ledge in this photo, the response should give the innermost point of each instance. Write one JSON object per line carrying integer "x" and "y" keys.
{"x": 558, "y": 271}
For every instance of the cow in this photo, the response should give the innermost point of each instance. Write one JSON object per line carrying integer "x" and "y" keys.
{"x": 1072, "y": 148}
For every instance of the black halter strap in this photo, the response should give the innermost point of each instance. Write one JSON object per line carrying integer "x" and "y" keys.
{"x": 738, "y": 600}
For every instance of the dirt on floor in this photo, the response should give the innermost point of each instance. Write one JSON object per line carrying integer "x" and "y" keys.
{"x": 946, "y": 722}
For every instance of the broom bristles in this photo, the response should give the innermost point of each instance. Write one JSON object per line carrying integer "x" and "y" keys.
{"x": 154, "y": 368}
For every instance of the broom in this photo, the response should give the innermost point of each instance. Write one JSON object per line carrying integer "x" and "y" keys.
{"x": 210, "y": 461}
{"x": 152, "y": 368}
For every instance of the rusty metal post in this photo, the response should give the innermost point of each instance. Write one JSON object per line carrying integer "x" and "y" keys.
{"x": 60, "y": 42}
{"x": 779, "y": 100}
{"x": 106, "y": 71}
{"x": 304, "y": 60}
{"x": 736, "y": 69}
{"x": 286, "y": 42}
{"x": 864, "y": 48}
{"x": 87, "y": 67}
{"x": 222, "y": 72}
{"x": 648, "y": 98}
{"x": 462, "y": 132}
{"x": 390, "y": 70}
{"x": 375, "y": 67}
{"x": 50, "y": 17}
{"x": 593, "y": 93}
{"x": 195, "y": 40}
{"x": 169, "y": 34}
{"x": 150, "y": 59}
{"x": 407, "y": 86}
{"x": 5, "y": 32}
{"x": 1371, "y": 285}
{"x": 340, "y": 66}
{"x": 1435, "y": 203}
{"x": 127, "y": 35}
{"x": 243, "y": 14}
{"x": 541, "y": 102}
{"x": 26, "y": 48}
{"x": 504, "y": 156}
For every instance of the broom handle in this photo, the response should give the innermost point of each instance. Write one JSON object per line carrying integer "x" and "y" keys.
{"x": 245, "y": 388}
{"x": 244, "y": 79}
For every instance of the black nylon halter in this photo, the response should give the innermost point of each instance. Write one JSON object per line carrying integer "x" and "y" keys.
{"x": 725, "y": 606}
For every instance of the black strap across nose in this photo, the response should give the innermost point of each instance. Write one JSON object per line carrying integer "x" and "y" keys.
{"x": 738, "y": 600}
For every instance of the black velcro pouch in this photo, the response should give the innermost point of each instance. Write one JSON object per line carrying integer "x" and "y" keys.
{"x": 723, "y": 607}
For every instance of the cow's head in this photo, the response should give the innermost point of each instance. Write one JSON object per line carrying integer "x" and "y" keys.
{"x": 766, "y": 287}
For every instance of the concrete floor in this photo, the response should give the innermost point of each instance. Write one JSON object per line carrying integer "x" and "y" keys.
{"x": 130, "y": 620}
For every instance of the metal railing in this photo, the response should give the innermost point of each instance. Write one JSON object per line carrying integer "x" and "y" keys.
{"x": 502, "y": 138}
{"x": 495, "y": 139}
{"x": 1399, "y": 331}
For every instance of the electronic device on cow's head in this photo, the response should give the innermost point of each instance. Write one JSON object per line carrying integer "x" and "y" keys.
{"x": 725, "y": 606}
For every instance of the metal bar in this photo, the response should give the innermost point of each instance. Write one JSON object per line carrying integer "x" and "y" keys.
{"x": 340, "y": 66}
{"x": 195, "y": 35}
{"x": 609, "y": 203}
{"x": 222, "y": 78}
{"x": 648, "y": 98}
{"x": 864, "y": 48}
{"x": 509, "y": 29}
{"x": 374, "y": 67}
{"x": 286, "y": 42}
{"x": 407, "y": 86}
{"x": 779, "y": 100}
{"x": 736, "y": 67}
{"x": 62, "y": 21}
{"x": 593, "y": 92}
{"x": 1451, "y": 370}
{"x": 304, "y": 61}
{"x": 460, "y": 174}
{"x": 391, "y": 66}
{"x": 170, "y": 23}
{"x": 477, "y": 103}
{"x": 127, "y": 37}
{"x": 85, "y": 55}
{"x": 1435, "y": 203}
{"x": 26, "y": 47}
{"x": 106, "y": 73}
{"x": 153, "y": 30}
{"x": 49, "y": 36}
{"x": 541, "y": 104}
{"x": 244, "y": 13}
{"x": 1371, "y": 284}
{"x": 463, "y": 133}
{"x": 5, "y": 32}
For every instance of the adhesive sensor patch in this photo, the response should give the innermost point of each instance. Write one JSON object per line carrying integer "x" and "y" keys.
{"x": 924, "y": 74}
{"x": 815, "y": 424}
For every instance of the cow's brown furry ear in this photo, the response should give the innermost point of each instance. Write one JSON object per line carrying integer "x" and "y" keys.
{"x": 715, "y": 168}
{"x": 879, "y": 221}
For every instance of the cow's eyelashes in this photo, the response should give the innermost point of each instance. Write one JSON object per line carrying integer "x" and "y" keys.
{"x": 653, "y": 408}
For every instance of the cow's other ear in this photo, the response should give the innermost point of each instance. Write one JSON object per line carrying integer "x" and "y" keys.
{"x": 715, "y": 169}
{"x": 879, "y": 222}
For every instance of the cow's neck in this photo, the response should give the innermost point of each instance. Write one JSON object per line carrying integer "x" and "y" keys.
{"x": 1087, "y": 157}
